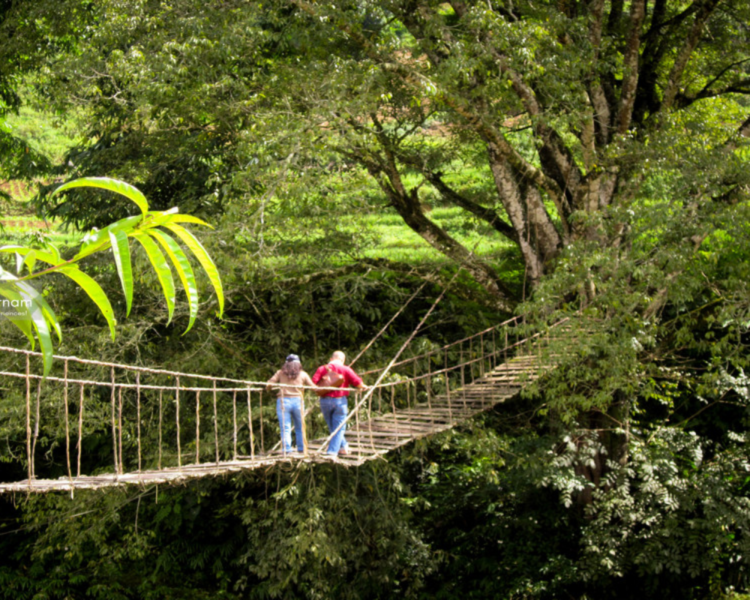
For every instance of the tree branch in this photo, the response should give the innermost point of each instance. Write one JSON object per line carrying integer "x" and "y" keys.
{"x": 630, "y": 79}
{"x": 675, "y": 75}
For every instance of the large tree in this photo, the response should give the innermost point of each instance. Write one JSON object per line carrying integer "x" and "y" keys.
{"x": 540, "y": 119}
{"x": 565, "y": 103}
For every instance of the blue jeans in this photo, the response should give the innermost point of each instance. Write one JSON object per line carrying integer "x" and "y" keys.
{"x": 291, "y": 411}
{"x": 334, "y": 412}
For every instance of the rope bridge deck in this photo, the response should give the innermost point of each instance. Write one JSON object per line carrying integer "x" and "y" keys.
{"x": 99, "y": 424}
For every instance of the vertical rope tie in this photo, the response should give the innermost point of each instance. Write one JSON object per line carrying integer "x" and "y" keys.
{"x": 177, "y": 421}
{"x": 483, "y": 356}
{"x": 494, "y": 351}
{"x": 463, "y": 375}
{"x": 429, "y": 383}
{"x": 67, "y": 424}
{"x": 283, "y": 426}
{"x": 114, "y": 419}
{"x": 356, "y": 424}
{"x": 28, "y": 420}
{"x": 369, "y": 424}
{"x": 161, "y": 412}
{"x": 250, "y": 424}
{"x": 260, "y": 410}
{"x": 138, "y": 417}
{"x": 234, "y": 425}
{"x": 80, "y": 427}
{"x": 36, "y": 427}
{"x": 119, "y": 423}
{"x": 471, "y": 359}
{"x": 393, "y": 405}
{"x": 408, "y": 395}
{"x": 197, "y": 428}
{"x": 304, "y": 425}
{"x": 505, "y": 347}
{"x": 448, "y": 388}
{"x": 216, "y": 426}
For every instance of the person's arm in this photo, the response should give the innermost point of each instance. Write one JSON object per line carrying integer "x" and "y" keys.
{"x": 306, "y": 381}
{"x": 318, "y": 374}
{"x": 355, "y": 380}
{"x": 274, "y": 379}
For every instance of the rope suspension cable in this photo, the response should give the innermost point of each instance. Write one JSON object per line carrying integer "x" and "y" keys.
{"x": 388, "y": 324}
{"x": 371, "y": 389}
{"x": 356, "y": 358}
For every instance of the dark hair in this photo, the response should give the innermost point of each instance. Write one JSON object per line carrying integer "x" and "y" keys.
{"x": 292, "y": 366}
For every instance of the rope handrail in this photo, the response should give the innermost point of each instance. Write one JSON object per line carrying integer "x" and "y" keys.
{"x": 116, "y": 385}
{"x": 445, "y": 347}
{"x": 98, "y": 363}
{"x": 481, "y": 358}
{"x": 248, "y": 385}
{"x": 369, "y": 392}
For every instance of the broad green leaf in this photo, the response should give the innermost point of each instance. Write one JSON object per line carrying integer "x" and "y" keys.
{"x": 205, "y": 260}
{"x": 95, "y": 240}
{"x": 157, "y": 217}
{"x": 94, "y": 291}
{"x": 23, "y": 323}
{"x": 46, "y": 309}
{"x": 39, "y": 254}
{"x": 161, "y": 266}
{"x": 180, "y": 218}
{"x": 184, "y": 270}
{"x": 30, "y": 261}
{"x": 113, "y": 185}
{"x": 121, "y": 251}
{"x": 52, "y": 249}
{"x": 42, "y": 333}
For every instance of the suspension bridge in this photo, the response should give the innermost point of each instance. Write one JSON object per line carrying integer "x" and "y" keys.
{"x": 157, "y": 426}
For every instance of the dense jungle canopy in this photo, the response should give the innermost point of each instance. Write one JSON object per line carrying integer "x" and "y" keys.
{"x": 583, "y": 159}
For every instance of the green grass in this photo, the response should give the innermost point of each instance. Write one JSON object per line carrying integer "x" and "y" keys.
{"x": 48, "y": 135}
{"x": 20, "y": 225}
{"x": 396, "y": 241}
{"x": 43, "y": 132}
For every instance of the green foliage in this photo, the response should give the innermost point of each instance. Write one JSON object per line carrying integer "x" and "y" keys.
{"x": 38, "y": 314}
{"x": 316, "y": 533}
{"x": 623, "y": 475}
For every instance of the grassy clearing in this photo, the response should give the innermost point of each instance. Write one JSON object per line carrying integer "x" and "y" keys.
{"x": 52, "y": 137}
{"x": 44, "y": 133}
{"x": 394, "y": 240}
{"x": 20, "y": 225}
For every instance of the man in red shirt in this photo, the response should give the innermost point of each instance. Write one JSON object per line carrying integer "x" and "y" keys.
{"x": 334, "y": 405}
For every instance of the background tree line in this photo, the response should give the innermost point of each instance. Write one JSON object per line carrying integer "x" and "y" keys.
{"x": 575, "y": 158}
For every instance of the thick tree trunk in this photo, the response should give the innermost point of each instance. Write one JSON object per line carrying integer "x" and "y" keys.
{"x": 407, "y": 204}
{"x": 537, "y": 237}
